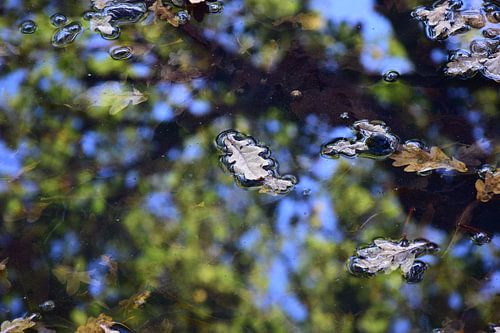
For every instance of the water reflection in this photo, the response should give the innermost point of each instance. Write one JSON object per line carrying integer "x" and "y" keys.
{"x": 109, "y": 167}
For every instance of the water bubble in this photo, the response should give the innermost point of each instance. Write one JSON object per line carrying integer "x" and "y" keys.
{"x": 344, "y": 115}
{"x": 295, "y": 94}
{"x": 27, "y": 27}
{"x": 390, "y": 76}
{"x": 416, "y": 272}
{"x": 214, "y": 7}
{"x": 47, "y": 306}
{"x": 306, "y": 192}
{"x": 58, "y": 20}
{"x": 89, "y": 15}
{"x": 379, "y": 145}
{"x": 125, "y": 12}
{"x": 121, "y": 53}
{"x": 480, "y": 238}
{"x": 120, "y": 328}
{"x": 183, "y": 17}
{"x": 66, "y": 35}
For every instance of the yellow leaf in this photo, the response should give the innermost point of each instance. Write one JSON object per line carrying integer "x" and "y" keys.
{"x": 489, "y": 187}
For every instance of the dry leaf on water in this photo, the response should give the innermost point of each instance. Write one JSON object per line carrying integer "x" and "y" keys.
{"x": 18, "y": 325}
{"x": 95, "y": 325}
{"x": 4, "y": 281}
{"x": 385, "y": 255}
{"x": 445, "y": 19}
{"x": 306, "y": 21}
{"x": 251, "y": 164}
{"x": 102, "y": 24}
{"x": 488, "y": 187}
{"x": 114, "y": 96}
{"x": 164, "y": 13}
{"x": 419, "y": 160}
{"x": 136, "y": 301}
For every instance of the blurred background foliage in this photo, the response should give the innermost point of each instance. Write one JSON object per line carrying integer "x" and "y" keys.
{"x": 131, "y": 215}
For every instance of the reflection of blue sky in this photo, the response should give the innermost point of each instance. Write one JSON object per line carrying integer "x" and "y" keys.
{"x": 161, "y": 205}
{"x": 375, "y": 29}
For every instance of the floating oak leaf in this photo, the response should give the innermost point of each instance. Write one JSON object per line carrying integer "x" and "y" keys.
{"x": 251, "y": 164}
{"x": 18, "y": 325}
{"x": 492, "y": 67}
{"x": 417, "y": 159}
{"x": 114, "y": 96}
{"x": 373, "y": 140}
{"x": 71, "y": 277}
{"x": 466, "y": 64}
{"x": 443, "y": 19}
{"x": 385, "y": 256}
{"x": 488, "y": 187}
{"x": 4, "y": 281}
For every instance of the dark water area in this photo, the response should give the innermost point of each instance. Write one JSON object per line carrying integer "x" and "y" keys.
{"x": 249, "y": 166}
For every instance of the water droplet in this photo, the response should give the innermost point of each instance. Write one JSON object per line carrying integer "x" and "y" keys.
{"x": 344, "y": 115}
{"x": 122, "y": 13}
{"x": 306, "y": 192}
{"x": 58, "y": 20}
{"x": 27, "y": 27}
{"x": 66, "y": 35}
{"x": 183, "y": 17}
{"x": 121, "y": 53}
{"x": 379, "y": 145}
{"x": 390, "y": 76}
{"x": 480, "y": 238}
{"x": 89, "y": 15}
{"x": 416, "y": 272}
{"x": 120, "y": 328}
{"x": 47, "y": 306}
{"x": 214, "y": 7}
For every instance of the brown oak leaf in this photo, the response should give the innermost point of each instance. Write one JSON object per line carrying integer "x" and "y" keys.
{"x": 489, "y": 187}
{"x": 417, "y": 159}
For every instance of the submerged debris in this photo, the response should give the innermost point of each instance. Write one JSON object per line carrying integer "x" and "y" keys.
{"x": 488, "y": 186}
{"x": 373, "y": 140}
{"x": 251, "y": 165}
{"x": 385, "y": 256}
{"x": 418, "y": 159}
{"x": 103, "y": 324}
{"x": 445, "y": 18}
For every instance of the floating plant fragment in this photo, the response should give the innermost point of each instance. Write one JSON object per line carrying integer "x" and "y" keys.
{"x": 417, "y": 159}
{"x": 445, "y": 19}
{"x": 373, "y": 140}
{"x": 103, "y": 324}
{"x": 18, "y": 325}
{"x": 488, "y": 186}
{"x": 385, "y": 256}
{"x": 4, "y": 281}
{"x": 102, "y": 24}
{"x": 251, "y": 164}
{"x": 484, "y": 57}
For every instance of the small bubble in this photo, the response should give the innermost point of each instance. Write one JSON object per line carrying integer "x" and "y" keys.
{"x": 89, "y": 15}
{"x": 390, "y": 76}
{"x": 484, "y": 169}
{"x": 296, "y": 94}
{"x": 121, "y": 53}
{"x": 214, "y": 7}
{"x": 416, "y": 272}
{"x": 183, "y": 17}
{"x": 27, "y": 27}
{"x": 306, "y": 192}
{"x": 344, "y": 115}
{"x": 47, "y": 306}
{"x": 58, "y": 20}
